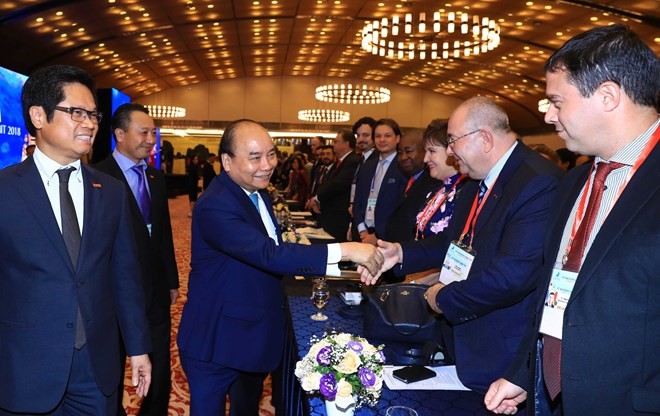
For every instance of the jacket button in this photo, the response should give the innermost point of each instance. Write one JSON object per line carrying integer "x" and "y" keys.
{"x": 69, "y": 325}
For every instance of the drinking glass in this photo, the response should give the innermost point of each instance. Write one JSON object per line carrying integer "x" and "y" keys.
{"x": 400, "y": 411}
{"x": 320, "y": 296}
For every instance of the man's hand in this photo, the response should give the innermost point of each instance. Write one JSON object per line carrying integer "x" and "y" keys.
{"x": 392, "y": 254}
{"x": 141, "y": 367}
{"x": 504, "y": 397}
{"x": 174, "y": 295}
{"x": 431, "y": 293}
{"x": 315, "y": 206}
{"x": 368, "y": 256}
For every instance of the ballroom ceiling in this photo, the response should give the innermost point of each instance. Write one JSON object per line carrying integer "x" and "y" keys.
{"x": 146, "y": 46}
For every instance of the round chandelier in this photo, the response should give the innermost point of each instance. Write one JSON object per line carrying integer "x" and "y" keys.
{"x": 165, "y": 111}
{"x": 322, "y": 115}
{"x": 352, "y": 94}
{"x": 448, "y": 34}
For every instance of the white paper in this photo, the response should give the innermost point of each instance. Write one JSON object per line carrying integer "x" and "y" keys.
{"x": 445, "y": 379}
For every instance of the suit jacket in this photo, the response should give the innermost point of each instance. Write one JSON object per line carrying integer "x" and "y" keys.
{"x": 490, "y": 310}
{"x": 40, "y": 291}
{"x": 405, "y": 213}
{"x": 156, "y": 252}
{"x": 391, "y": 190}
{"x": 234, "y": 315}
{"x": 335, "y": 195}
{"x": 610, "y": 363}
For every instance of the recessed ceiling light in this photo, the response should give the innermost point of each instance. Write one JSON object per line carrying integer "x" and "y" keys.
{"x": 59, "y": 14}
{"x": 210, "y": 6}
{"x": 40, "y": 19}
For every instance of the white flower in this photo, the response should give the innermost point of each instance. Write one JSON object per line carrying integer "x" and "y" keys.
{"x": 378, "y": 385}
{"x": 342, "y": 339}
{"x": 350, "y": 363}
{"x": 311, "y": 382}
{"x": 344, "y": 397}
{"x": 313, "y": 352}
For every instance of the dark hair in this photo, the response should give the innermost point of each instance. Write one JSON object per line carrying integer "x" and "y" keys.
{"x": 45, "y": 88}
{"x": 121, "y": 119}
{"x": 321, "y": 140}
{"x": 364, "y": 120}
{"x": 327, "y": 146}
{"x": 610, "y": 53}
{"x": 567, "y": 156}
{"x": 387, "y": 122}
{"x": 348, "y": 136}
{"x": 229, "y": 136}
{"x": 542, "y": 149}
{"x": 436, "y": 133}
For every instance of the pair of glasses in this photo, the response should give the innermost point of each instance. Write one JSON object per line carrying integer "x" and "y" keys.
{"x": 80, "y": 114}
{"x": 453, "y": 139}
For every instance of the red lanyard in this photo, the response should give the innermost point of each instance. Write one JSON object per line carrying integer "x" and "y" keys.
{"x": 579, "y": 215}
{"x": 474, "y": 214}
{"x": 431, "y": 208}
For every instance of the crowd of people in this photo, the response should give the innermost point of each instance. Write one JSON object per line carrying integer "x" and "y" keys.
{"x": 494, "y": 227}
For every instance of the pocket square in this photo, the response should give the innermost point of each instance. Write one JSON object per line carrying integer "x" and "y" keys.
{"x": 391, "y": 180}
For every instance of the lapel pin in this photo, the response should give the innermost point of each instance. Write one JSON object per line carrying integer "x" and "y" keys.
{"x": 96, "y": 185}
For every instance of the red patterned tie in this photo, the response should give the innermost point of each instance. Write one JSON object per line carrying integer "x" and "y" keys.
{"x": 551, "y": 345}
{"x": 410, "y": 182}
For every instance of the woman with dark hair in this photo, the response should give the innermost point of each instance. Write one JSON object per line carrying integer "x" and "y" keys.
{"x": 298, "y": 188}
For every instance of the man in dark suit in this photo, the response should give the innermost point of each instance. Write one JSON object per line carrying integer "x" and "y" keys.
{"x": 603, "y": 89}
{"x": 65, "y": 296}
{"x": 333, "y": 196}
{"x": 492, "y": 247}
{"x": 380, "y": 184}
{"x": 135, "y": 134}
{"x": 419, "y": 185}
{"x": 363, "y": 129}
{"x": 232, "y": 328}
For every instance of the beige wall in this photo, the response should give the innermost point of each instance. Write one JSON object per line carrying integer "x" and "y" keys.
{"x": 278, "y": 100}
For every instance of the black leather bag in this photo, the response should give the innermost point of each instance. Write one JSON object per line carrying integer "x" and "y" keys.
{"x": 400, "y": 313}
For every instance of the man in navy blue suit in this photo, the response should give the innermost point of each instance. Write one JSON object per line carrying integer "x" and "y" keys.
{"x": 69, "y": 276}
{"x": 603, "y": 86}
{"x": 492, "y": 248}
{"x": 232, "y": 328}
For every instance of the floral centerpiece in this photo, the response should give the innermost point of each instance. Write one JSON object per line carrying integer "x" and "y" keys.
{"x": 344, "y": 368}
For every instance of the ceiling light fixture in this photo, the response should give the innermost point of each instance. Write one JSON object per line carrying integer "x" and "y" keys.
{"x": 448, "y": 34}
{"x": 323, "y": 115}
{"x": 165, "y": 111}
{"x": 352, "y": 94}
{"x": 544, "y": 105}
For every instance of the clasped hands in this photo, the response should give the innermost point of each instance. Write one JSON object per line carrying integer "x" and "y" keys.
{"x": 391, "y": 253}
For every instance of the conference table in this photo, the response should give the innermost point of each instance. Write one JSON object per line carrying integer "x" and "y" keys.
{"x": 290, "y": 400}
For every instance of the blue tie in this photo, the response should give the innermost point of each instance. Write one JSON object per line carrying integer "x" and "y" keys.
{"x": 255, "y": 200}
{"x": 142, "y": 197}
{"x": 482, "y": 190}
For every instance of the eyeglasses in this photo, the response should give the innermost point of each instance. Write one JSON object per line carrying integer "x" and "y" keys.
{"x": 453, "y": 139}
{"x": 80, "y": 114}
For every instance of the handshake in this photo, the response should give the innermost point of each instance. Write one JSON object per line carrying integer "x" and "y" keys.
{"x": 372, "y": 260}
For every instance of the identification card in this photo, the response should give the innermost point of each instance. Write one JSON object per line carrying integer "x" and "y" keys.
{"x": 457, "y": 264}
{"x": 556, "y": 299}
{"x": 370, "y": 216}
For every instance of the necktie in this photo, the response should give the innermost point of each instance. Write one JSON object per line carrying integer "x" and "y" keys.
{"x": 482, "y": 191}
{"x": 142, "y": 197}
{"x": 378, "y": 178}
{"x": 71, "y": 236}
{"x": 255, "y": 200}
{"x": 410, "y": 183}
{"x": 551, "y": 345}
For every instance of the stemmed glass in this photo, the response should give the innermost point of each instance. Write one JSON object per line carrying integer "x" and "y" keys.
{"x": 320, "y": 296}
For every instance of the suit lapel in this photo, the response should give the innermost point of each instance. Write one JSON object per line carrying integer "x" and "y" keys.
{"x": 642, "y": 187}
{"x": 31, "y": 188}
{"x": 93, "y": 208}
{"x": 510, "y": 167}
{"x": 269, "y": 206}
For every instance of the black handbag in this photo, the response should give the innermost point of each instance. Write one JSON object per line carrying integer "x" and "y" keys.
{"x": 400, "y": 313}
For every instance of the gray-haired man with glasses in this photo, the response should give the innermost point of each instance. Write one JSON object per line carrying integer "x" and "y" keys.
{"x": 492, "y": 247}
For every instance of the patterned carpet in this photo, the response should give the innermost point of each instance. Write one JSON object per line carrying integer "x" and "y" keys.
{"x": 180, "y": 396}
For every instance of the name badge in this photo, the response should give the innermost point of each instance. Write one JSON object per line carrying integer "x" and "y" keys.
{"x": 370, "y": 216}
{"x": 556, "y": 299}
{"x": 457, "y": 264}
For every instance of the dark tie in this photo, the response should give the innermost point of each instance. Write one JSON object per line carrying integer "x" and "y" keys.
{"x": 71, "y": 235}
{"x": 255, "y": 200}
{"x": 482, "y": 190}
{"x": 551, "y": 345}
{"x": 142, "y": 197}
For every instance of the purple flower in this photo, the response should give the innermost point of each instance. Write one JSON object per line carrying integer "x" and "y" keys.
{"x": 381, "y": 355}
{"x": 367, "y": 377}
{"x": 324, "y": 355}
{"x": 355, "y": 346}
{"x": 328, "y": 386}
